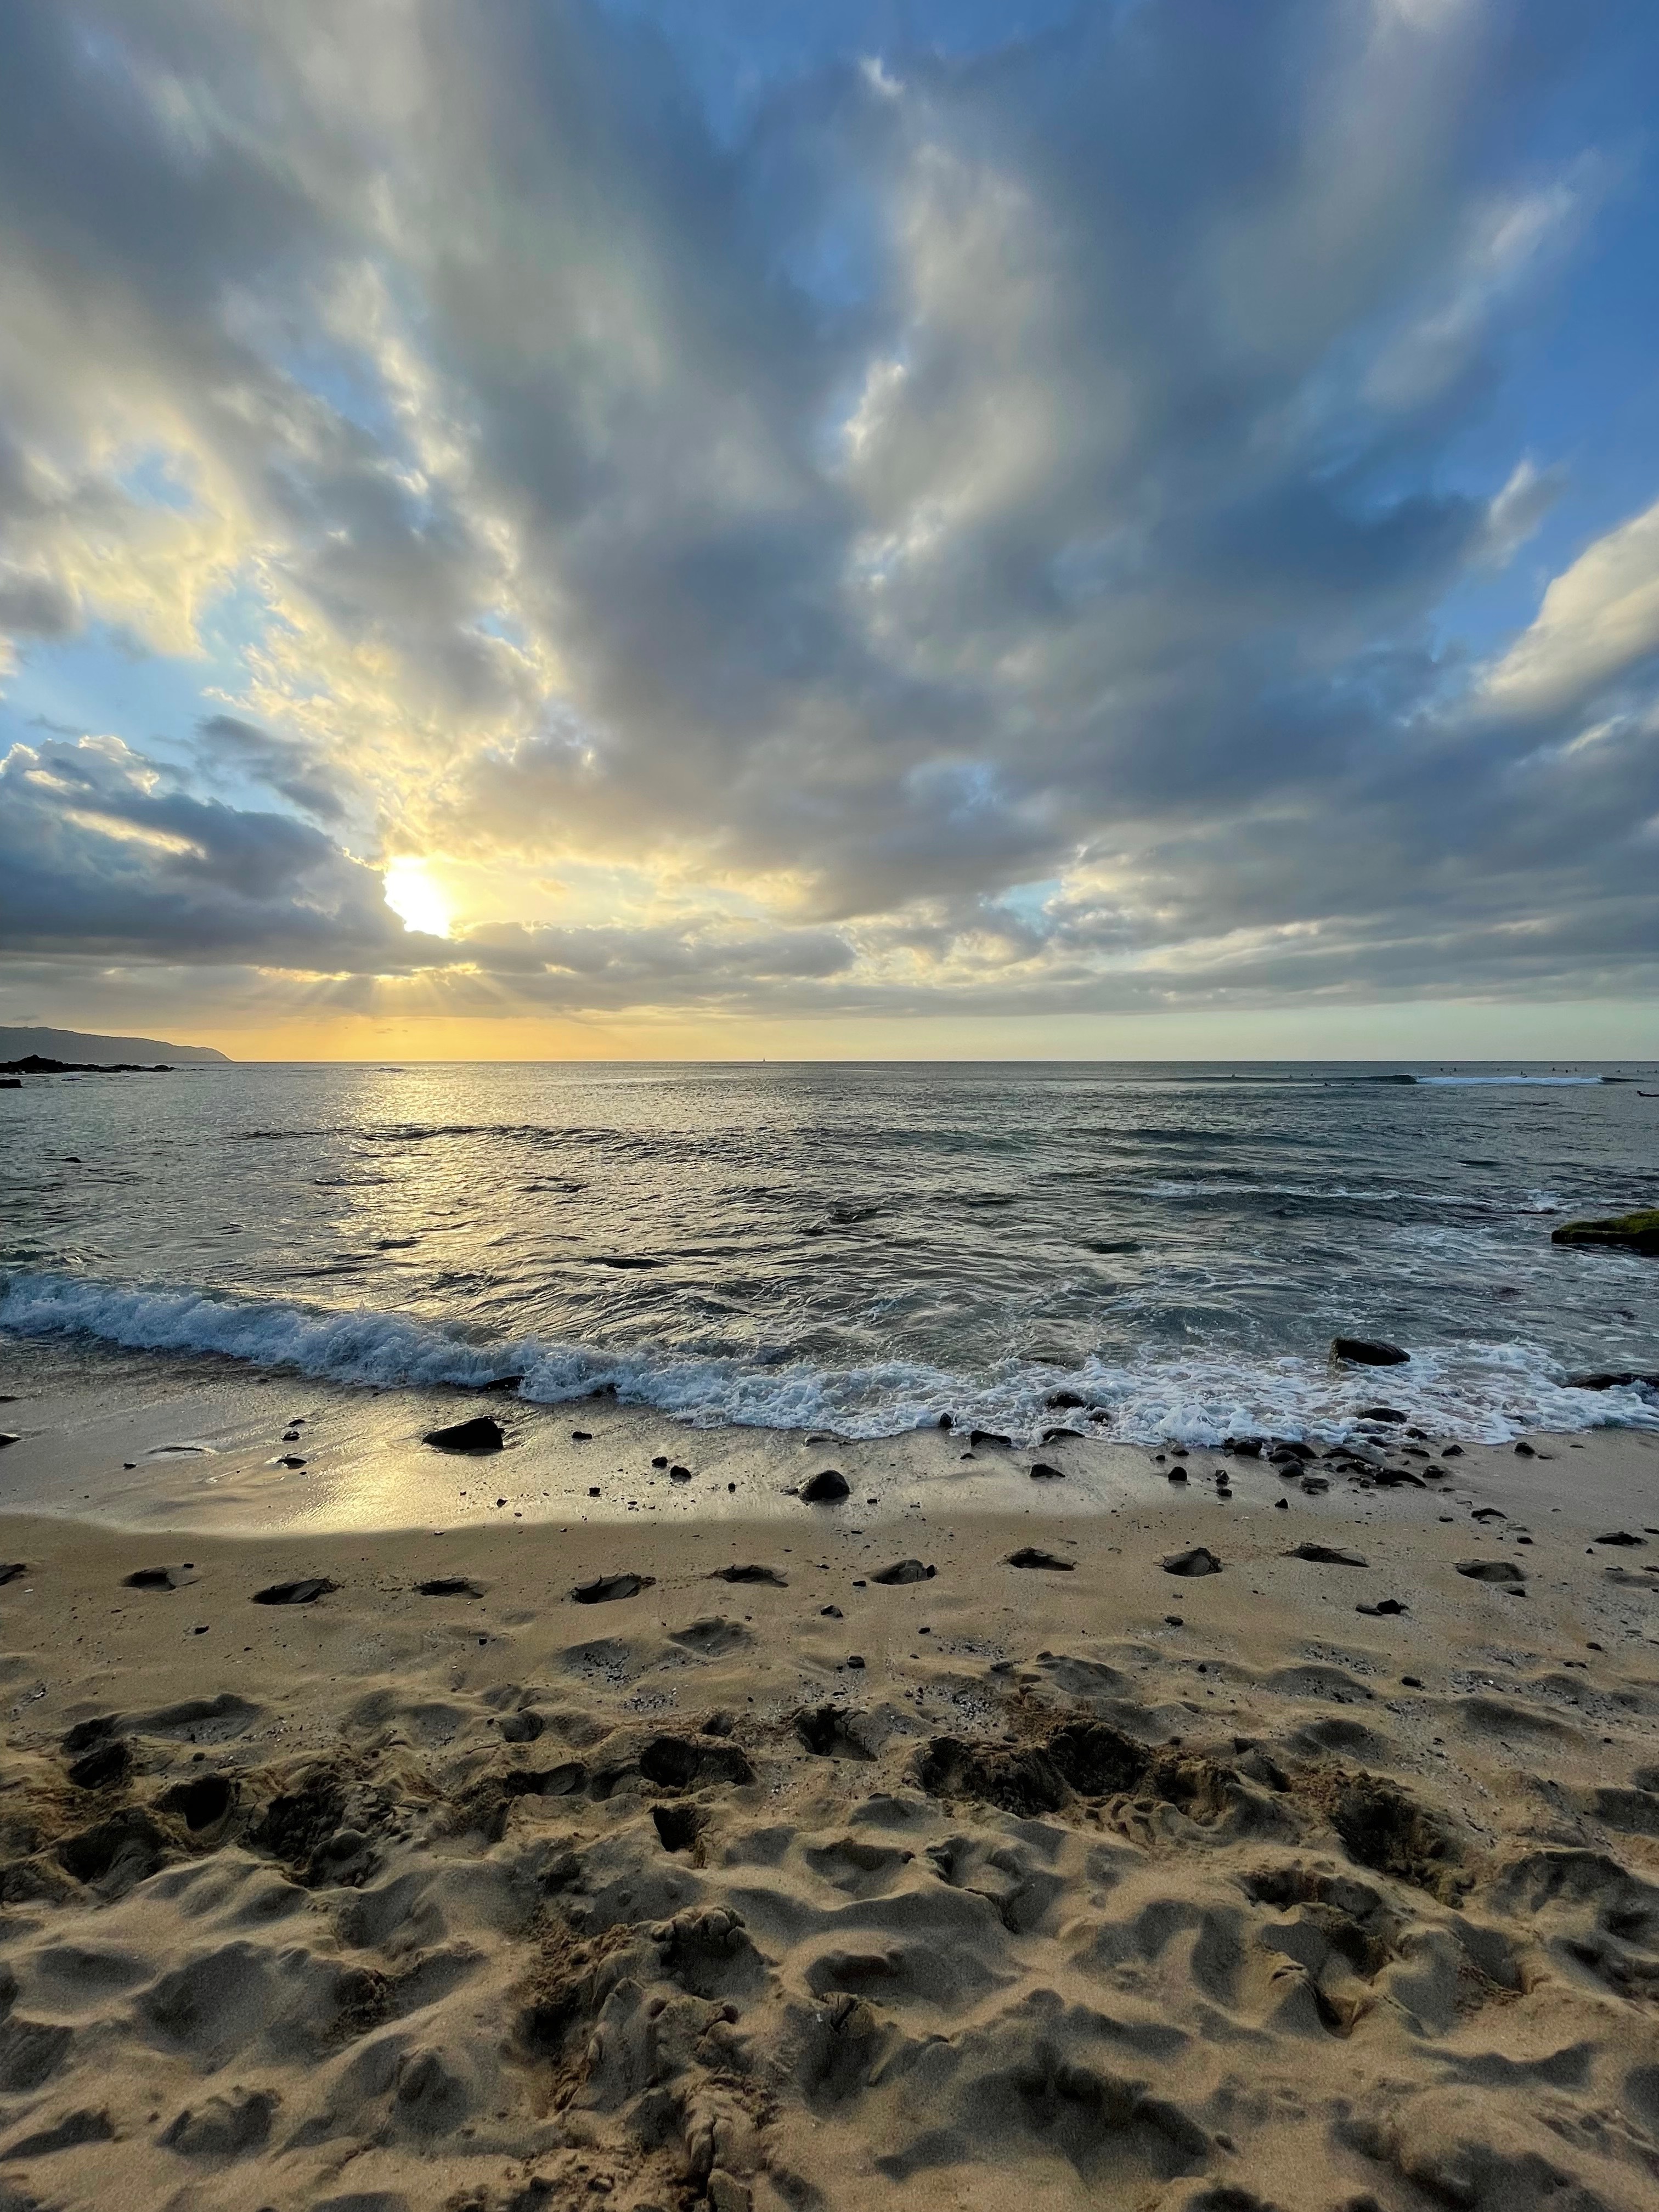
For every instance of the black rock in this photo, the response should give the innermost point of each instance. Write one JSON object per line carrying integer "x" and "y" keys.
{"x": 824, "y": 1489}
{"x": 623, "y": 1260}
{"x": 1379, "y": 1413}
{"x": 290, "y": 1459}
{"x": 8, "y": 1437}
{"x": 1491, "y": 1570}
{"x": 660, "y": 1460}
{"x": 1059, "y": 1399}
{"x": 10, "y": 1572}
{"x": 1041, "y": 1472}
{"x": 1618, "y": 1536}
{"x": 1063, "y": 1435}
{"x": 1028, "y": 1556}
{"x": 679, "y": 1475}
{"x": 978, "y": 1436}
{"x": 830, "y": 1613}
{"x": 1367, "y": 1352}
{"x": 1609, "y": 1382}
{"x": 483, "y": 1433}
{"x": 581, "y": 1436}
{"x": 449, "y": 1586}
{"x": 751, "y": 1574}
{"x": 1384, "y": 1606}
{"x": 1326, "y": 1555}
{"x": 903, "y": 1570}
{"x": 150, "y": 1578}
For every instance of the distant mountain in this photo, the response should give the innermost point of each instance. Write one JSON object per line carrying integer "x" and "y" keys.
{"x": 75, "y": 1045}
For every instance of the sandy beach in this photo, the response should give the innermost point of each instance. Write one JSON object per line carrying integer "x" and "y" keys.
{"x": 717, "y": 1847}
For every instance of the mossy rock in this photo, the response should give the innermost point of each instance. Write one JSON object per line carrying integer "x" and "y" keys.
{"x": 1630, "y": 1233}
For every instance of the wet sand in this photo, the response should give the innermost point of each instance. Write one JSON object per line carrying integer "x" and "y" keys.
{"x": 1092, "y": 1879}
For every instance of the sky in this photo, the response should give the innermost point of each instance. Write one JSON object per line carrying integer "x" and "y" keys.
{"x": 943, "y": 528}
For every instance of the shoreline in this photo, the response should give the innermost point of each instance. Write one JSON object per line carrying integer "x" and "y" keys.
{"x": 190, "y": 1442}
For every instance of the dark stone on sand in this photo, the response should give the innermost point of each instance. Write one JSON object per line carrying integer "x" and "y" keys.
{"x": 8, "y": 1437}
{"x": 903, "y": 1570}
{"x": 483, "y": 1433}
{"x": 449, "y": 1586}
{"x": 855, "y": 1659}
{"x": 978, "y": 1436}
{"x": 1041, "y": 1472}
{"x": 1283, "y": 1504}
{"x": 1063, "y": 1435}
{"x": 1325, "y": 1555}
{"x": 1200, "y": 1561}
{"x": 581, "y": 1436}
{"x": 1178, "y": 1474}
{"x": 149, "y": 1578}
{"x": 824, "y": 1489}
{"x": 290, "y": 1459}
{"x": 102, "y": 1766}
{"x": 660, "y": 1460}
{"x": 1618, "y": 1536}
{"x": 751, "y": 1574}
{"x": 1384, "y": 1607}
{"x": 1524, "y": 1450}
{"x": 623, "y": 1260}
{"x": 679, "y": 1475}
{"x": 1491, "y": 1570}
{"x": 1244, "y": 1446}
{"x": 945, "y": 1421}
{"x": 1367, "y": 1352}
{"x": 306, "y": 1591}
{"x": 1028, "y": 1556}
{"x": 605, "y": 1589}
{"x": 830, "y": 1613}
{"x": 10, "y": 1572}
{"x": 1379, "y": 1413}
{"x": 1628, "y": 1232}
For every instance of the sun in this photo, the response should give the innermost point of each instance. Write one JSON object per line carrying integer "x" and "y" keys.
{"x": 416, "y": 899}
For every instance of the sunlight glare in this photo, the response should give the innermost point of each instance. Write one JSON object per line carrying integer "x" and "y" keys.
{"x": 416, "y": 899}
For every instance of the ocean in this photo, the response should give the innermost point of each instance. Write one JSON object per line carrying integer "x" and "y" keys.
{"x": 860, "y": 1249}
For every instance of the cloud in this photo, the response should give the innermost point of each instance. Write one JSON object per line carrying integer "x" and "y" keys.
{"x": 1600, "y": 619}
{"x": 957, "y": 526}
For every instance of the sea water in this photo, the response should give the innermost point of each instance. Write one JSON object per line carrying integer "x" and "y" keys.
{"x": 861, "y": 1248}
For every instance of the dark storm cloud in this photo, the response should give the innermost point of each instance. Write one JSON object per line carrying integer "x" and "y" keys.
{"x": 991, "y": 512}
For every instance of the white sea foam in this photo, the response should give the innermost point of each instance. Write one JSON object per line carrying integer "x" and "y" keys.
{"x": 1480, "y": 1392}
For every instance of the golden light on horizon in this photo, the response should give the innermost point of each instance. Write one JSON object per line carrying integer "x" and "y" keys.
{"x": 416, "y": 899}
